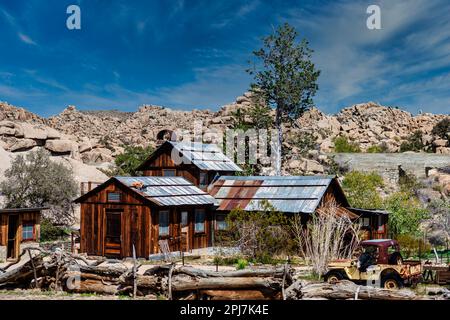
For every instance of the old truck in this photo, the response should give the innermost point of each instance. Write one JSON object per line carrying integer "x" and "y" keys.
{"x": 379, "y": 263}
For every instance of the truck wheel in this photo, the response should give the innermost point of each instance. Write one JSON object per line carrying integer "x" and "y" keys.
{"x": 333, "y": 277}
{"x": 391, "y": 282}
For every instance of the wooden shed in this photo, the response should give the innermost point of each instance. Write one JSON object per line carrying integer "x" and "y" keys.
{"x": 197, "y": 162}
{"x": 305, "y": 195}
{"x": 142, "y": 211}
{"x": 19, "y": 228}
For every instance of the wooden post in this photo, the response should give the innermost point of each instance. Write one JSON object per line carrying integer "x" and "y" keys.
{"x": 36, "y": 285}
{"x": 170, "y": 281}
{"x": 134, "y": 273}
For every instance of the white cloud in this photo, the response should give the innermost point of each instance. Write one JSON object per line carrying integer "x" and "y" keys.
{"x": 359, "y": 63}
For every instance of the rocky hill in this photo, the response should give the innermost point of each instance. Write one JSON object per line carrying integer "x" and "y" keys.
{"x": 96, "y": 137}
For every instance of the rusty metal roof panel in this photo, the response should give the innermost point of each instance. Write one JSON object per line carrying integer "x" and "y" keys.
{"x": 292, "y": 194}
{"x": 205, "y": 156}
{"x": 168, "y": 191}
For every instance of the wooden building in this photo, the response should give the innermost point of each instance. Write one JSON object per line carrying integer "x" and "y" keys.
{"x": 141, "y": 211}
{"x": 196, "y": 162}
{"x": 19, "y": 228}
{"x": 305, "y": 195}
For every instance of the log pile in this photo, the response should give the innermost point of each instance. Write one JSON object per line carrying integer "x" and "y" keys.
{"x": 60, "y": 270}
{"x": 73, "y": 273}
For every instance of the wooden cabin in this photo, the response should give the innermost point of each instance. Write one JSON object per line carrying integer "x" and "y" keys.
{"x": 141, "y": 211}
{"x": 197, "y": 162}
{"x": 305, "y": 195}
{"x": 19, "y": 228}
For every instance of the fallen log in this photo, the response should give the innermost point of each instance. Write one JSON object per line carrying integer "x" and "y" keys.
{"x": 344, "y": 290}
{"x": 186, "y": 283}
{"x": 275, "y": 273}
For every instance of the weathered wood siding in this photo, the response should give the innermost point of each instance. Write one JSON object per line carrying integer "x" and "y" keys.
{"x": 135, "y": 222}
{"x": 164, "y": 161}
{"x": 22, "y": 217}
{"x": 139, "y": 224}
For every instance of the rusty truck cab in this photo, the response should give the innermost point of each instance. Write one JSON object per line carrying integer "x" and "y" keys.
{"x": 387, "y": 250}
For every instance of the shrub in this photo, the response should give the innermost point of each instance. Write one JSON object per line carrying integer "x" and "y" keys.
{"x": 413, "y": 143}
{"x": 409, "y": 183}
{"x": 342, "y": 145}
{"x": 412, "y": 246}
{"x": 362, "y": 189}
{"x": 260, "y": 234}
{"x": 50, "y": 232}
{"x": 241, "y": 264}
{"x": 381, "y": 148}
{"x": 442, "y": 129}
{"x": 328, "y": 236}
{"x": 406, "y": 214}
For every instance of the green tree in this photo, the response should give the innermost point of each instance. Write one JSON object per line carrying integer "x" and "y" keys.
{"x": 405, "y": 214}
{"x": 127, "y": 162}
{"x": 286, "y": 78}
{"x": 35, "y": 180}
{"x": 362, "y": 189}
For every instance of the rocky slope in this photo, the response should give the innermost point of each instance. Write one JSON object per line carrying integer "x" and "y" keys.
{"x": 96, "y": 137}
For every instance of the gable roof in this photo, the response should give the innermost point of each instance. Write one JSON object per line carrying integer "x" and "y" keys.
{"x": 289, "y": 194}
{"x": 207, "y": 157}
{"x": 161, "y": 191}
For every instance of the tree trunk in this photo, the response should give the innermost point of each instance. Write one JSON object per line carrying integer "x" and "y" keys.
{"x": 279, "y": 144}
{"x": 184, "y": 283}
{"x": 344, "y": 290}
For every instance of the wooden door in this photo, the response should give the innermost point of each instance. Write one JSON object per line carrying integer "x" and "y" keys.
{"x": 13, "y": 241}
{"x": 113, "y": 236}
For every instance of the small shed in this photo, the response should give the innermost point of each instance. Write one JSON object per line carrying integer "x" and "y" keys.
{"x": 19, "y": 228}
{"x": 303, "y": 195}
{"x": 374, "y": 223}
{"x": 141, "y": 211}
{"x": 197, "y": 162}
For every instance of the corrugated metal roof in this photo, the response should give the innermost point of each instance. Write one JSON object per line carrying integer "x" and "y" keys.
{"x": 168, "y": 191}
{"x": 205, "y": 156}
{"x": 290, "y": 194}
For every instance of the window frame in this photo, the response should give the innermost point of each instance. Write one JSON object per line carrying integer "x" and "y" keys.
{"x": 187, "y": 218}
{"x": 33, "y": 230}
{"x": 224, "y": 221}
{"x": 169, "y": 170}
{"x": 203, "y": 212}
{"x": 168, "y": 223}
{"x": 205, "y": 175}
{"x": 114, "y": 192}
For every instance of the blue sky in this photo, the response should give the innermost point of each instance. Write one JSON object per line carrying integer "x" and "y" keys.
{"x": 193, "y": 53}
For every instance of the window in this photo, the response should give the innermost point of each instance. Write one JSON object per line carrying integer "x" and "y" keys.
{"x": 221, "y": 223}
{"x": 184, "y": 218}
{"x": 113, "y": 197}
{"x": 380, "y": 224}
{"x": 164, "y": 223}
{"x": 203, "y": 179}
{"x": 365, "y": 222}
{"x": 28, "y": 231}
{"x": 169, "y": 172}
{"x": 199, "y": 220}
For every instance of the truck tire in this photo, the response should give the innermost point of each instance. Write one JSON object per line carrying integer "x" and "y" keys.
{"x": 333, "y": 276}
{"x": 391, "y": 282}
